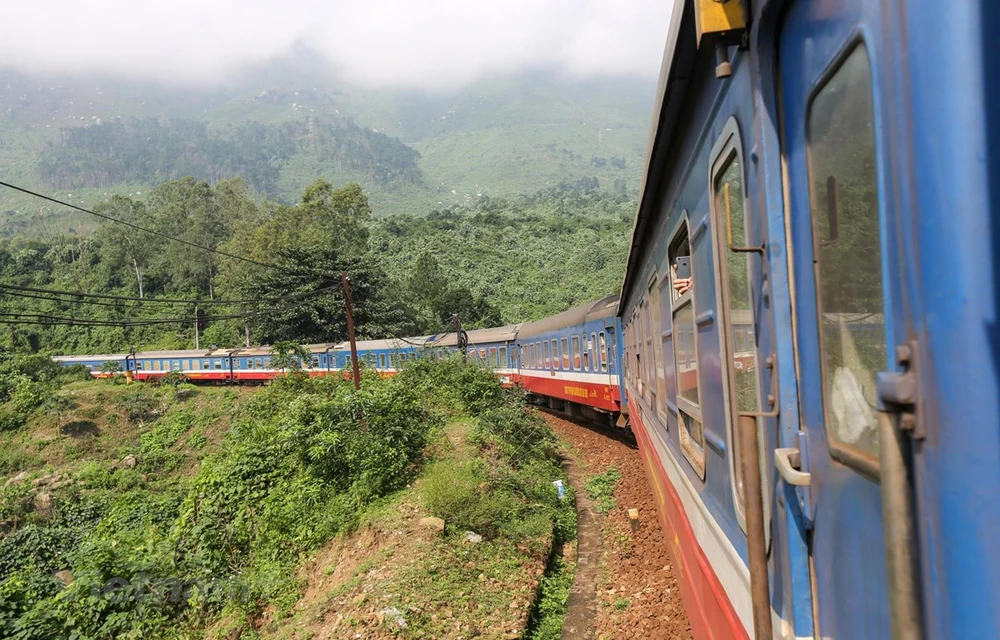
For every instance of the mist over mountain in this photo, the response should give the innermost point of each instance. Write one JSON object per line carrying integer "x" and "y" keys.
{"x": 282, "y": 124}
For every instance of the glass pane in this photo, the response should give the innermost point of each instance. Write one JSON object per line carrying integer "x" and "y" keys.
{"x": 687, "y": 363}
{"x": 730, "y": 207}
{"x": 661, "y": 383}
{"x": 849, "y": 260}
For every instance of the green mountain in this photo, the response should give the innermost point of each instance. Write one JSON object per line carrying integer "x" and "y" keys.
{"x": 283, "y": 125}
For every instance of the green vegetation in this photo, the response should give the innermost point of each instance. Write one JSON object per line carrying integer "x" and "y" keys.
{"x": 601, "y": 489}
{"x": 495, "y": 262}
{"x": 170, "y": 509}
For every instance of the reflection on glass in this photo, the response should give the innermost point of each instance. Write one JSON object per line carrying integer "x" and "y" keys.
{"x": 730, "y": 206}
{"x": 687, "y": 363}
{"x": 849, "y": 265}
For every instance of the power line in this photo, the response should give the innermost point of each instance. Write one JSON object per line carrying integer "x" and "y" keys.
{"x": 50, "y": 320}
{"x": 108, "y": 296}
{"x": 143, "y": 229}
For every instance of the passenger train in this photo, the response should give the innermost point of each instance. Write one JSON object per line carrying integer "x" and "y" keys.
{"x": 806, "y": 343}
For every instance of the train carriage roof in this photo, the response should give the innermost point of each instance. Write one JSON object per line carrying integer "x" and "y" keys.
{"x": 103, "y": 356}
{"x": 390, "y": 344}
{"x": 678, "y": 58}
{"x": 477, "y": 336}
{"x": 577, "y": 315}
{"x": 186, "y": 353}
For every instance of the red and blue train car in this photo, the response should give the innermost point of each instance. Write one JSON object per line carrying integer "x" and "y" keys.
{"x": 826, "y": 174}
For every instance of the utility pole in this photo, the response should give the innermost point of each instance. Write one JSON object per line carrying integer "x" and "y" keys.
{"x": 197, "y": 321}
{"x": 346, "y": 284}
{"x": 462, "y": 337}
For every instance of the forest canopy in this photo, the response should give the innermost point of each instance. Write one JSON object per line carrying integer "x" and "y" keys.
{"x": 494, "y": 262}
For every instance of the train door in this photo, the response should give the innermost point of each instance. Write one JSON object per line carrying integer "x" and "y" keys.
{"x": 845, "y": 301}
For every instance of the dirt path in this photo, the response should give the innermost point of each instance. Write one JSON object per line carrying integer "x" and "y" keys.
{"x": 581, "y": 608}
{"x": 636, "y": 591}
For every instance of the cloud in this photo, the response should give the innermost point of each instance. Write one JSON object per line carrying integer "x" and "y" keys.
{"x": 418, "y": 43}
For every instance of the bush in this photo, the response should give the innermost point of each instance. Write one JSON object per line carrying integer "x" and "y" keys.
{"x": 139, "y": 404}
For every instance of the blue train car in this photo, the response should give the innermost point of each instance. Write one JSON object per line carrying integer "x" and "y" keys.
{"x": 572, "y": 357}
{"x": 810, "y": 312}
{"x": 99, "y": 365}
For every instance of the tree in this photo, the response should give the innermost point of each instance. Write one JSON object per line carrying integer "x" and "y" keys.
{"x": 288, "y": 355}
{"x": 137, "y": 247}
{"x": 59, "y": 405}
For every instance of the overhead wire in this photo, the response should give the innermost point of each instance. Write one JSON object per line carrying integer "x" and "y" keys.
{"x": 137, "y": 227}
{"x": 108, "y": 296}
{"x": 47, "y": 319}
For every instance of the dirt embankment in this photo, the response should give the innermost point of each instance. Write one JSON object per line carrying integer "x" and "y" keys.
{"x": 637, "y": 589}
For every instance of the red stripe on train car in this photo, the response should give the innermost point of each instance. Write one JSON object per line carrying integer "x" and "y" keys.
{"x": 602, "y": 396}
{"x": 708, "y": 607}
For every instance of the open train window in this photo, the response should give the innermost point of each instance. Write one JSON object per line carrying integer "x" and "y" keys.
{"x": 575, "y": 347}
{"x": 685, "y": 336}
{"x": 555, "y": 353}
{"x": 564, "y": 352}
{"x": 381, "y": 361}
{"x": 732, "y": 229}
{"x": 218, "y": 364}
{"x": 659, "y": 388}
{"x": 587, "y": 348}
{"x": 602, "y": 343}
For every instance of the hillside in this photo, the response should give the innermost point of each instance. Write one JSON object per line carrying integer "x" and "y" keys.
{"x": 282, "y": 126}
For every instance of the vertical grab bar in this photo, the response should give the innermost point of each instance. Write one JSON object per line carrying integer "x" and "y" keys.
{"x": 760, "y": 591}
{"x": 899, "y": 522}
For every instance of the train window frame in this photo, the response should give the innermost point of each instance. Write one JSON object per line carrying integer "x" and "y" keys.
{"x": 728, "y": 149}
{"x": 539, "y": 355}
{"x": 502, "y": 360}
{"x": 494, "y": 362}
{"x": 382, "y": 361}
{"x": 554, "y": 342}
{"x": 564, "y": 357}
{"x": 602, "y": 342}
{"x": 659, "y": 390}
{"x": 859, "y": 460}
{"x": 687, "y": 410}
{"x": 575, "y": 357}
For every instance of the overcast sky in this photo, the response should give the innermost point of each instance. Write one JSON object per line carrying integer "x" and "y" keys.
{"x": 425, "y": 43}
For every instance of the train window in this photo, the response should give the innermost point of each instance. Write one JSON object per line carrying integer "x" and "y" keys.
{"x": 249, "y": 363}
{"x": 592, "y": 350}
{"x": 493, "y": 357}
{"x": 260, "y": 363}
{"x": 602, "y": 351}
{"x": 185, "y": 365}
{"x": 547, "y": 347}
{"x": 156, "y": 365}
{"x": 692, "y": 435}
{"x": 218, "y": 364}
{"x": 177, "y": 365}
{"x": 575, "y": 352}
{"x": 315, "y": 362}
{"x": 734, "y": 269}
{"x": 848, "y": 254}
{"x": 502, "y": 357}
{"x": 564, "y": 350}
{"x": 538, "y": 355}
{"x": 381, "y": 361}
{"x": 585, "y": 354}
{"x": 660, "y": 388}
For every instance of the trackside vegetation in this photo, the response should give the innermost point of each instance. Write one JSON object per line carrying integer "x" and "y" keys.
{"x": 186, "y": 512}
